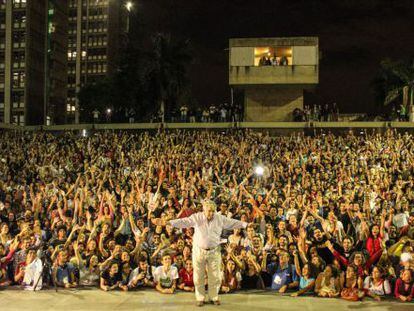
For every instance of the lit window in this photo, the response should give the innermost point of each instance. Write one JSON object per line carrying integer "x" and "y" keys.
{"x": 271, "y": 55}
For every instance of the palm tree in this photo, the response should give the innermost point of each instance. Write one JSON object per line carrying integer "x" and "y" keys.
{"x": 167, "y": 70}
{"x": 398, "y": 80}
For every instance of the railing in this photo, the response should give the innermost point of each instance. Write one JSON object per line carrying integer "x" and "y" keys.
{"x": 217, "y": 125}
{"x": 290, "y": 74}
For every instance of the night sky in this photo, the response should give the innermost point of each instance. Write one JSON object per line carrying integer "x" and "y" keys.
{"x": 354, "y": 36}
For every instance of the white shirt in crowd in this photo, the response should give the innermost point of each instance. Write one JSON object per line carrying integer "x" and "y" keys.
{"x": 207, "y": 234}
{"x": 165, "y": 278}
{"x": 382, "y": 289}
{"x": 33, "y": 275}
{"x": 400, "y": 220}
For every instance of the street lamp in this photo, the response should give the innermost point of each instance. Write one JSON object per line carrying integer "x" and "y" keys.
{"x": 128, "y": 5}
{"x": 108, "y": 115}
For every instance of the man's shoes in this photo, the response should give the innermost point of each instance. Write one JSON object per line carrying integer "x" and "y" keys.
{"x": 216, "y": 302}
{"x": 200, "y": 303}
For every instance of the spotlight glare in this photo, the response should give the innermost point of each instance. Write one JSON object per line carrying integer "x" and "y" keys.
{"x": 259, "y": 170}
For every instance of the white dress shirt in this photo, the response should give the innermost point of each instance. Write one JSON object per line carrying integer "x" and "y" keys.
{"x": 207, "y": 234}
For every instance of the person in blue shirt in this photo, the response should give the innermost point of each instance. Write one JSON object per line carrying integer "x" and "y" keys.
{"x": 307, "y": 276}
{"x": 284, "y": 275}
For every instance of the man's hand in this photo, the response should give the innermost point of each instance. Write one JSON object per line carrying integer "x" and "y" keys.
{"x": 140, "y": 276}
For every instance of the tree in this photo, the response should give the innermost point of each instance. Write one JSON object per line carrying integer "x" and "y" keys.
{"x": 396, "y": 81}
{"x": 97, "y": 95}
{"x": 149, "y": 78}
{"x": 166, "y": 70}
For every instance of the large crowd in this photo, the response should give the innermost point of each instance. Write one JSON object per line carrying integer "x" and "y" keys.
{"x": 330, "y": 216}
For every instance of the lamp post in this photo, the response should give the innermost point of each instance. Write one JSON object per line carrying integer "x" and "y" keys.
{"x": 128, "y": 5}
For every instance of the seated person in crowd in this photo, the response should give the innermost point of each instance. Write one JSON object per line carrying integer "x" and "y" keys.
{"x": 231, "y": 278}
{"x": 63, "y": 271}
{"x": 186, "y": 277}
{"x": 327, "y": 283}
{"x": 111, "y": 278}
{"x": 404, "y": 287}
{"x": 306, "y": 277}
{"x": 141, "y": 276}
{"x": 166, "y": 275}
{"x": 284, "y": 275}
{"x": 376, "y": 284}
{"x": 352, "y": 287}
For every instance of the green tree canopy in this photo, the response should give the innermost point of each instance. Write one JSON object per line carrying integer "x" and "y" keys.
{"x": 393, "y": 78}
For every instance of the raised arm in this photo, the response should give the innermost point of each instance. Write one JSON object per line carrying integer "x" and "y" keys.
{"x": 181, "y": 223}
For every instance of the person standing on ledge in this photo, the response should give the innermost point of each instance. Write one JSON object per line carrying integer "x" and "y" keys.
{"x": 208, "y": 226}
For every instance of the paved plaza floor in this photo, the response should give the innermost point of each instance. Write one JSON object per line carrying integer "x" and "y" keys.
{"x": 94, "y": 299}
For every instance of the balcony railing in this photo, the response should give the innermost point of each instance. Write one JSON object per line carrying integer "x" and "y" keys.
{"x": 294, "y": 74}
{"x": 283, "y": 126}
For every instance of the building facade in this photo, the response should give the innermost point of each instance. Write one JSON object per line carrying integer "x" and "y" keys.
{"x": 97, "y": 30}
{"x": 49, "y": 49}
{"x": 31, "y": 46}
{"x": 270, "y": 75}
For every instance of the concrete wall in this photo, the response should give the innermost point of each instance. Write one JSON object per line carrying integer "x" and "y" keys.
{"x": 271, "y": 104}
{"x": 278, "y": 41}
{"x": 274, "y": 75}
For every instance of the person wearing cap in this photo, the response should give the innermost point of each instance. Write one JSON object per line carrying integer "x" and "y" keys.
{"x": 208, "y": 227}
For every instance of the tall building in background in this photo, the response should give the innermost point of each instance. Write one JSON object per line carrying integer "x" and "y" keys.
{"x": 97, "y": 31}
{"x": 32, "y": 46}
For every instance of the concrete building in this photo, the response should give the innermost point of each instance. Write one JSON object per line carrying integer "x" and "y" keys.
{"x": 97, "y": 31}
{"x": 31, "y": 45}
{"x": 270, "y": 75}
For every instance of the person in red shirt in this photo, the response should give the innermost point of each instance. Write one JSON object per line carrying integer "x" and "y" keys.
{"x": 404, "y": 287}
{"x": 357, "y": 258}
{"x": 374, "y": 241}
{"x": 186, "y": 210}
{"x": 186, "y": 277}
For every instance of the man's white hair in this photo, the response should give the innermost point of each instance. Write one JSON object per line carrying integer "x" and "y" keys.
{"x": 209, "y": 205}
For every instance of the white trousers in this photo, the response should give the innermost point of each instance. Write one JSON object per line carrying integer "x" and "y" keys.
{"x": 210, "y": 262}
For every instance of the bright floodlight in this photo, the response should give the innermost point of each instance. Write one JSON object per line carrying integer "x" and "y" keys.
{"x": 129, "y": 5}
{"x": 84, "y": 133}
{"x": 108, "y": 111}
{"x": 259, "y": 170}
